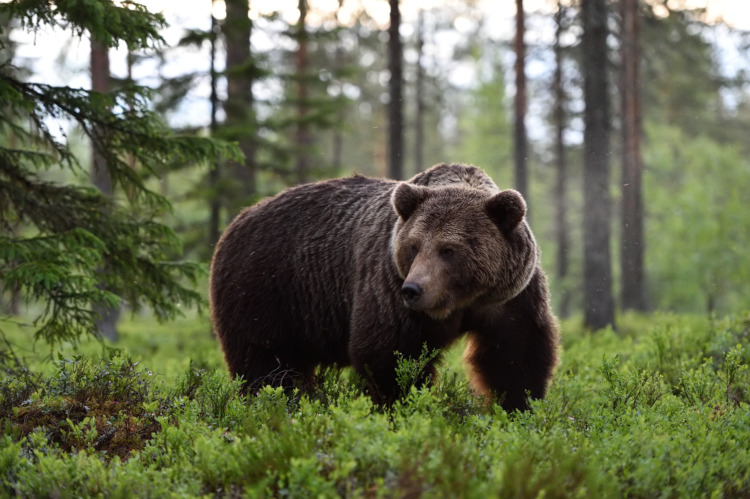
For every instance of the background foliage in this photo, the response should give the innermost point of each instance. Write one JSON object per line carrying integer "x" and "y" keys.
{"x": 695, "y": 91}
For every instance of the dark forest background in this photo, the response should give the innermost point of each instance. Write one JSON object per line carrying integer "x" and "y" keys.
{"x": 624, "y": 123}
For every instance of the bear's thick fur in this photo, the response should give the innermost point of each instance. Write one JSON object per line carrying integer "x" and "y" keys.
{"x": 350, "y": 271}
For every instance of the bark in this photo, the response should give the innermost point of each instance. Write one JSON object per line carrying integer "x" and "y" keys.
{"x": 214, "y": 176}
{"x": 303, "y": 138}
{"x": 239, "y": 104}
{"x": 632, "y": 243}
{"x": 520, "y": 142}
{"x": 419, "y": 117}
{"x": 107, "y": 316}
{"x": 10, "y": 298}
{"x": 395, "y": 105}
{"x": 338, "y": 136}
{"x": 561, "y": 173}
{"x": 597, "y": 264}
{"x": 12, "y": 304}
{"x": 100, "y": 83}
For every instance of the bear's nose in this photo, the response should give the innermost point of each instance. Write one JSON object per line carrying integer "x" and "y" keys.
{"x": 411, "y": 292}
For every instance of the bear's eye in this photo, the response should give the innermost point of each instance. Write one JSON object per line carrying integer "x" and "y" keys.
{"x": 413, "y": 250}
{"x": 447, "y": 252}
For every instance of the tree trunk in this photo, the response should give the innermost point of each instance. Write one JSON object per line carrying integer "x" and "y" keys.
{"x": 239, "y": 103}
{"x": 100, "y": 83}
{"x": 631, "y": 255}
{"x": 597, "y": 265}
{"x": 303, "y": 133}
{"x": 395, "y": 111}
{"x": 560, "y": 196}
{"x": 338, "y": 136}
{"x": 419, "y": 115}
{"x": 214, "y": 176}
{"x": 106, "y": 322}
{"x": 13, "y": 305}
{"x": 520, "y": 142}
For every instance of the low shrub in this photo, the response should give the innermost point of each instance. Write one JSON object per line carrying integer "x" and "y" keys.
{"x": 642, "y": 412}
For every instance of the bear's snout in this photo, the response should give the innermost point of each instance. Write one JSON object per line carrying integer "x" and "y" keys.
{"x": 411, "y": 292}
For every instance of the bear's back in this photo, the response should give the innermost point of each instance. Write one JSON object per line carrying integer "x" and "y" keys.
{"x": 282, "y": 271}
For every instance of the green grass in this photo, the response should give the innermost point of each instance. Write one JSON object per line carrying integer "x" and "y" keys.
{"x": 166, "y": 349}
{"x": 659, "y": 408}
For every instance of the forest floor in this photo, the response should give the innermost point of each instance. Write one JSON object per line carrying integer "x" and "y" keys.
{"x": 658, "y": 408}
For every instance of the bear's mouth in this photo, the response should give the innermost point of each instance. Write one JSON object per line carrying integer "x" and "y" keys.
{"x": 438, "y": 315}
{"x": 439, "y": 312}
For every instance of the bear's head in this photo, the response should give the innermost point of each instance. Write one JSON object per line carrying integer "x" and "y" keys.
{"x": 456, "y": 247}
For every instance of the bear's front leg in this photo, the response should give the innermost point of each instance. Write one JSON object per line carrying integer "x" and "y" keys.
{"x": 512, "y": 348}
{"x": 374, "y": 343}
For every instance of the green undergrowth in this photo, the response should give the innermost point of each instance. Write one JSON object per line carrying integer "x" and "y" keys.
{"x": 659, "y": 408}
{"x": 168, "y": 348}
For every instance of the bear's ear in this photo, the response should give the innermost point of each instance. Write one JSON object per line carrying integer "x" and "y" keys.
{"x": 506, "y": 209}
{"x": 407, "y": 197}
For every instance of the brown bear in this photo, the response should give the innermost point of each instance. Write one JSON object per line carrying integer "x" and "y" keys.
{"x": 351, "y": 271}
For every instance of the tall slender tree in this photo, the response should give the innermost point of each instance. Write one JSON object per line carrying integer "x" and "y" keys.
{"x": 520, "y": 142}
{"x": 9, "y": 302}
{"x": 302, "y": 135}
{"x": 419, "y": 97}
{"x": 632, "y": 242}
{"x": 561, "y": 173}
{"x": 107, "y": 316}
{"x": 239, "y": 125}
{"x": 597, "y": 266}
{"x": 395, "y": 105}
{"x": 338, "y": 135}
{"x": 214, "y": 175}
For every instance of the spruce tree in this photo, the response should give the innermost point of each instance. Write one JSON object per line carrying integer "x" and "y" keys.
{"x": 60, "y": 241}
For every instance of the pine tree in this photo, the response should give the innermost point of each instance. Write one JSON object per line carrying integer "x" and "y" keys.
{"x": 561, "y": 168}
{"x": 106, "y": 324}
{"x": 419, "y": 112}
{"x": 633, "y": 295}
{"x": 301, "y": 120}
{"x": 520, "y": 142}
{"x": 395, "y": 104}
{"x": 303, "y": 138}
{"x": 60, "y": 241}
{"x": 240, "y": 121}
{"x": 597, "y": 266}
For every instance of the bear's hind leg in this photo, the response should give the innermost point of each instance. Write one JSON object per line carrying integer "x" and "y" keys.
{"x": 261, "y": 366}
